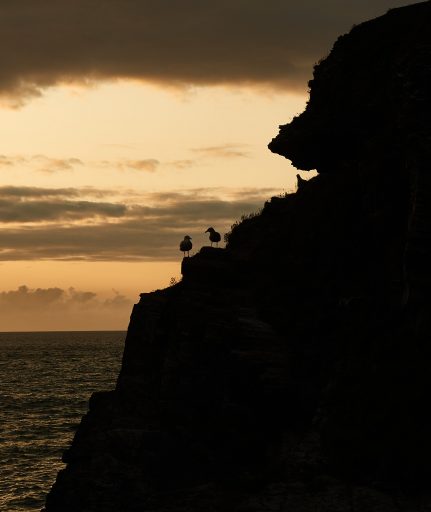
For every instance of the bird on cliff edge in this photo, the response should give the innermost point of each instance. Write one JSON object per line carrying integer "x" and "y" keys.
{"x": 214, "y": 236}
{"x": 186, "y": 245}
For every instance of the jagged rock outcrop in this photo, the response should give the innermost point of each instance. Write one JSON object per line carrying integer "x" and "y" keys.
{"x": 290, "y": 371}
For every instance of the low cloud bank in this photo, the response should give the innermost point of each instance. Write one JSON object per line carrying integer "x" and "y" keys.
{"x": 59, "y": 309}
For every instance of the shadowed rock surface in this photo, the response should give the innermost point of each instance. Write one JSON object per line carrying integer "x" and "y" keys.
{"x": 290, "y": 371}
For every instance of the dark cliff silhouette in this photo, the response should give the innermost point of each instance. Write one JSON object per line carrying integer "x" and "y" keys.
{"x": 290, "y": 371}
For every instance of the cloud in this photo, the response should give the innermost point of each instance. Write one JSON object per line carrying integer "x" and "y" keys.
{"x": 149, "y": 165}
{"x": 24, "y": 297}
{"x": 48, "y": 210}
{"x": 7, "y": 161}
{"x": 146, "y": 164}
{"x": 22, "y": 192}
{"x": 39, "y": 298}
{"x": 29, "y": 192}
{"x": 51, "y": 308}
{"x": 41, "y": 163}
{"x": 46, "y": 164}
{"x": 173, "y": 42}
{"x": 223, "y": 151}
{"x": 205, "y": 153}
{"x": 51, "y": 165}
{"x": 150, "y": 230}
{"x": 182, "y": 164}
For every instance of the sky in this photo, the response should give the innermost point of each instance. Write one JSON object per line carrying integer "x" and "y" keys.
{"x": 126, "y": 124}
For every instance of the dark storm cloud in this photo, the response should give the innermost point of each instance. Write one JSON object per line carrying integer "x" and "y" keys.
{"x": 133, "y": 232}
{"x": 170, "y": 41}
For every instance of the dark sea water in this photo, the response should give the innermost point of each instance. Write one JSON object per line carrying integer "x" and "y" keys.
{"x": 46, "y": 380}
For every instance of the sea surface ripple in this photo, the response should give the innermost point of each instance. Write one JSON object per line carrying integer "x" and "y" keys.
{"x": 46, "y": 380}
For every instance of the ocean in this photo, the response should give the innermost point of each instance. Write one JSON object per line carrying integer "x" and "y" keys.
{"x": 46, "y": 380}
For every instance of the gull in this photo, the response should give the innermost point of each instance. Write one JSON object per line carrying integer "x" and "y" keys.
{"x": 186, "y": 245}
{"x": 214, "y": 236}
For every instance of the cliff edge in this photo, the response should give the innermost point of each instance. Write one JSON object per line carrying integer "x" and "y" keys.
{"x": 290, "y": 371}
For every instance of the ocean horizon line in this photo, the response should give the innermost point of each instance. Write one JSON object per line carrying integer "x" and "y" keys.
{"x": 65, "y": 331}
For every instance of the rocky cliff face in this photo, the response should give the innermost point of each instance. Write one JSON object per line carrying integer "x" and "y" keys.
{"x": 290, "y": 371}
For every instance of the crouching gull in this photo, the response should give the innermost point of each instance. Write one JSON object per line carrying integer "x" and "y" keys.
{"x": 186, "y": 245}
{"x": 214, "y": 236}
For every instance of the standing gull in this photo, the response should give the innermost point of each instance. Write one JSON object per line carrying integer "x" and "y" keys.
{"x": 214, "y": 236}
{"x": 186, "y": 245}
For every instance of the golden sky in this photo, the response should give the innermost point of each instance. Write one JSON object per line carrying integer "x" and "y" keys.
{"x": 126, "y": 125}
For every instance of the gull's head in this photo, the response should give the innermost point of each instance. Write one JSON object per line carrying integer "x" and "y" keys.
{"x": 187, "y": 237}
{"x": 209, "y": 230}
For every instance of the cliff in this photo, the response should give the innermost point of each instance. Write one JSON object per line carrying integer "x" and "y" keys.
{"x": 290, "y": 371}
